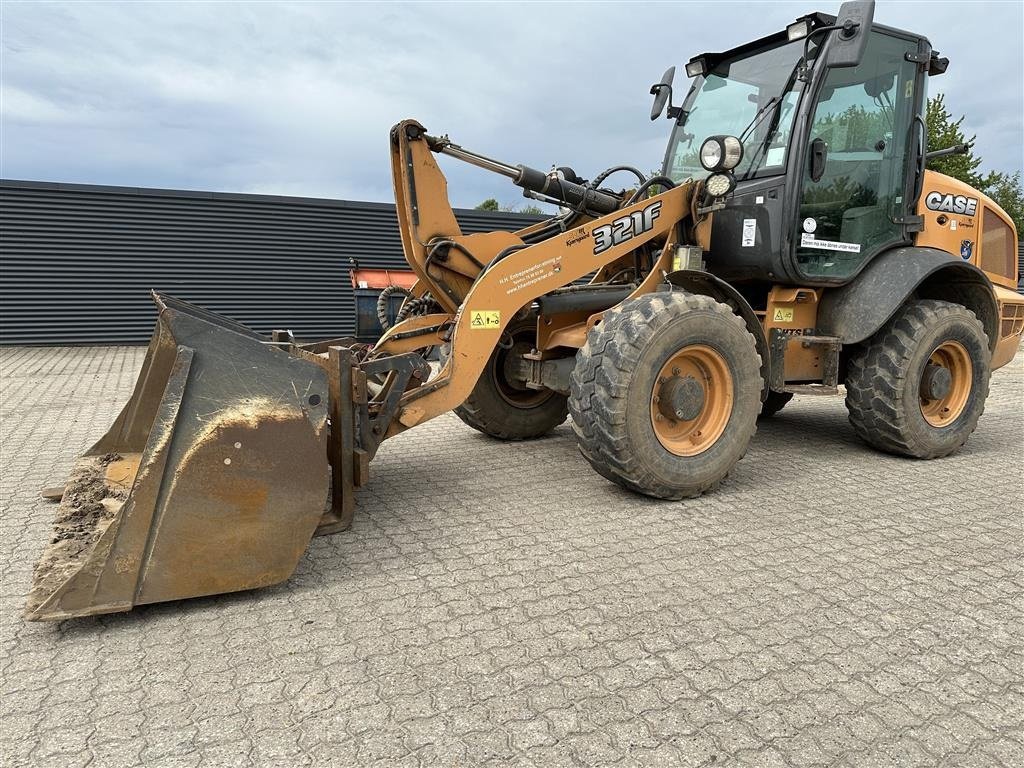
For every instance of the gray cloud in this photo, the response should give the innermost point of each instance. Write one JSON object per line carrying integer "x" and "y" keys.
{"x": 298, "y": 98}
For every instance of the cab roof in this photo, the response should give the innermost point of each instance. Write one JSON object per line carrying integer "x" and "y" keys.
{"x": 817, "y": 19}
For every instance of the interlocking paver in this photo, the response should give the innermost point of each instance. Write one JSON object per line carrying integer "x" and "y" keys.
{"x": 502, "y": 604}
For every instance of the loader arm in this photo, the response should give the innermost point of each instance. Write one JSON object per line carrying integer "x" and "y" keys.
{"x": 514, "y": 283}
{"x": 502, "y": 287}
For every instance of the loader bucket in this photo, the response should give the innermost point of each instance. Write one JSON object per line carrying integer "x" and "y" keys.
{"x": 212, "y": 479}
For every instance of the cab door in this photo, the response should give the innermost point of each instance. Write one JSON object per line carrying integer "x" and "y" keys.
{"x": 854, "y": 181}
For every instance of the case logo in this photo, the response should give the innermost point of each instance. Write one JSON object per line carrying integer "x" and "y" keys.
{"x": 965, "y": 206}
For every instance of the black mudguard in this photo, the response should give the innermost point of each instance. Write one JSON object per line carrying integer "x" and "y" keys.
{"x": 856, "y": 311}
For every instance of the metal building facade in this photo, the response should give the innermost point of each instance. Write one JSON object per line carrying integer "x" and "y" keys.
{"x": 77, "y": 262}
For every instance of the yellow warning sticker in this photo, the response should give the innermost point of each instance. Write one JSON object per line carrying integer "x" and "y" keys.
{"x": 783, "y": 315}
{"x": 485, "y": 318}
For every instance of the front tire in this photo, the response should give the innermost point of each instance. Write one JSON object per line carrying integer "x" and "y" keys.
{"x": 918, "y": 387}
{"x": 500, "y": 406}
{"x": 665, "y": 394}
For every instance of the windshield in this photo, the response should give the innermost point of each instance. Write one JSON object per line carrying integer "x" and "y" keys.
{"x": 756, "y": 94}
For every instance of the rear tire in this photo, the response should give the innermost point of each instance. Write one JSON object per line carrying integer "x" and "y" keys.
{"x": 665, "y": 394}
{"x": 774, "y": 402}
{"x": 918, "y": 387}
{"x": 506, "y": 409}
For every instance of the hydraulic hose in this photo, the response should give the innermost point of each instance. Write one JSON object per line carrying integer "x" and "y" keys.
{"x": 654, "y": 181}
{"x": 420, "y": 306}
{"x": 615, "y": 169}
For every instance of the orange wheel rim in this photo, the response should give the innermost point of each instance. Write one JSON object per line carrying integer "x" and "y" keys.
{"x": 692, "y": 400}
{"x": 946, "y": 383}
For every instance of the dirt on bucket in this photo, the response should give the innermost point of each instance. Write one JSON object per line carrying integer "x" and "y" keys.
{"x": 86, "y": 510}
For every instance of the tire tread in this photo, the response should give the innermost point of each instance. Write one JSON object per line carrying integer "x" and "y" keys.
{"x": 600, "y": 385}
{"x": 876, "y": 376}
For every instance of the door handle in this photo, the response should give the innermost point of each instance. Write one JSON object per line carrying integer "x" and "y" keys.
{"x": 819, "y": 156}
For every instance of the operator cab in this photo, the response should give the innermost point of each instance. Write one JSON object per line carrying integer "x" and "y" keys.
{"x": 828, "y": 118}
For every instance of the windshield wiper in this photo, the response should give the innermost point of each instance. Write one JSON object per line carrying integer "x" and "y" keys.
{"x": 756, "y": 121}
{"x": 763, "y": 145}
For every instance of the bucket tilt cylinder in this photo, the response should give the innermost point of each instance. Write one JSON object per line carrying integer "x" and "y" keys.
{"x": 552, "y": 186}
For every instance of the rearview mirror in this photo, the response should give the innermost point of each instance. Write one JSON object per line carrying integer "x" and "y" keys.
{"x": 662, "y": 92}
{"x": 846, "y": 47}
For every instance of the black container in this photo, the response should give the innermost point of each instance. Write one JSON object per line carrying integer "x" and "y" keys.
{"x": 367, "y": 326}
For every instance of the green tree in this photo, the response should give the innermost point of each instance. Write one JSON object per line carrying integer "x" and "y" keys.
{"x": 490, "y": 204}
{"x": 1005, "y": 188}
{"x": 858, "y": 129}
{"x": 943, "y": 132}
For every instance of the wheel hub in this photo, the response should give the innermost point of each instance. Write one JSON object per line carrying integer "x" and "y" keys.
{"x": 691, "y": 400}
{"x": 945, "y": 384}
{"x": 506, "y": 371}
{"x": 681, "y": 398}
{"x": 512, "y": 367}
{"x": 936, "y": 382}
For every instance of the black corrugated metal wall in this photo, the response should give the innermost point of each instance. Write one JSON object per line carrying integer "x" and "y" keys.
{"x": 77, "y": 261}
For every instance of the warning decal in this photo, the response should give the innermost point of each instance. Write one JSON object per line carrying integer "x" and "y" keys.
{"x": 783, "y": 315}
{"x": 807, "y": 240}
{"x": 485, "y": 318}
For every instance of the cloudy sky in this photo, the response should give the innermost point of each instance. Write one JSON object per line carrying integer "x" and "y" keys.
{"x": 297, "y": 99}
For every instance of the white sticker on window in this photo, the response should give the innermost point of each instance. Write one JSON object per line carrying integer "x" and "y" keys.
{"x": 749, "y": 232}
{"x": 807, "y": 240}
{"x": 775, "y": 156}
{"x": 759, "y": 200}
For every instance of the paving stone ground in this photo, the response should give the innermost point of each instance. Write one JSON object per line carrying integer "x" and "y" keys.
{"x": 501, "y": 603}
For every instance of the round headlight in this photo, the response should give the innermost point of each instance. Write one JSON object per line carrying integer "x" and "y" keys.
{"x": 711, "y": 154}
{"x": 719, "y": 184}
{"x": 733, "y": 152}
{"x": 721, "y": 153}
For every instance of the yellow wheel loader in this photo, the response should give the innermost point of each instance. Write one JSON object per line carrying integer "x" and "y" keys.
{"x": 794, "y": 241}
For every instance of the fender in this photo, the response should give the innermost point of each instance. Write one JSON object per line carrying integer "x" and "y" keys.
{"x": 858, "y": 309}
{"x": 707, "y": 284}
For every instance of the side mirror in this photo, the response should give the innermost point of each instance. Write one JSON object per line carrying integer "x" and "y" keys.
{"x": 847, "y": 44}
{"x": 662, "y": 92}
